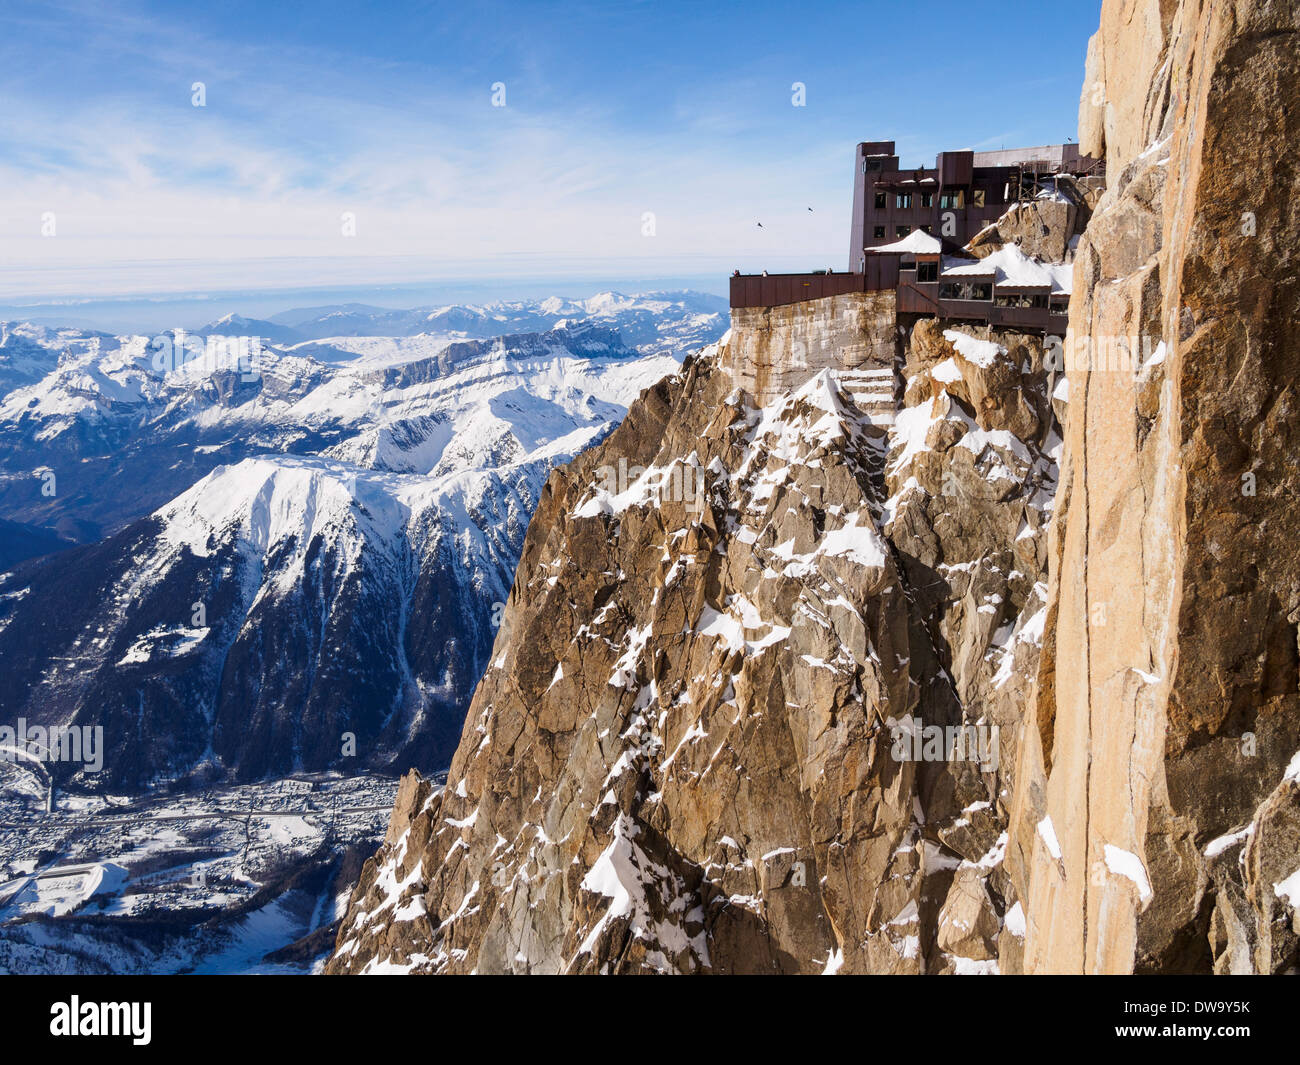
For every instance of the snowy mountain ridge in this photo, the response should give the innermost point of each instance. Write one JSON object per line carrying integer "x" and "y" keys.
{"x": 302, "y": 569}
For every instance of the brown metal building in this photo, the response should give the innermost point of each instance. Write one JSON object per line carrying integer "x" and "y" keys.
{"x": 962, "y": 194}
{"x": 956, "y": 198}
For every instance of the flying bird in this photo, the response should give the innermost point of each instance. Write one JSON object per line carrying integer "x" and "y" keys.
{"x": 760, "y": 225}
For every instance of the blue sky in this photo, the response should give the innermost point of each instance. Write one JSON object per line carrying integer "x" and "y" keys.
{"x": 384, "y": 111}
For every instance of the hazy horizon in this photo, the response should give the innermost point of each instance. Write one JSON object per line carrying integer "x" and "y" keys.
{"x": 155, "y": 312}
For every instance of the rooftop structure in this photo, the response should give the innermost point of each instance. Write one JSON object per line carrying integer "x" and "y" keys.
{"x": 959, "y": 196}
{"x": 909, "y": 230}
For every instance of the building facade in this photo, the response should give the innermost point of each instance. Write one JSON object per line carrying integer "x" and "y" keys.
{"x": 909, "y": 229}
{"x": 961, "y": 194}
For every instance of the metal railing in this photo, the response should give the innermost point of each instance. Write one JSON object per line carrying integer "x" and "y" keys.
{"x": 778, "y": 290}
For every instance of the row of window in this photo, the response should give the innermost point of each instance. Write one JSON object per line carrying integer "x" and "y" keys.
{"x": 948, "y": 201}
{"x": 928, "y": 273}
{"x": 983, "y": 290}
{"x": 1021, "y": 300}
{"x": 903, "y": 200}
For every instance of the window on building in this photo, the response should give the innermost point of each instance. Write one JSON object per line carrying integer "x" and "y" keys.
{"x": 903, "y": 199}
{"x": 1024, "y": 300}
{"x": 927, "y": 199}
{"x": 880, "y": 201}
{"x": 927, "y": 272}
{"x": 966, "y": 290}
{"x": 902, "y": 231}
{"x": 977, "y": 198}
{"x": 951, "y": 200}
{"x": 878, "y": 232}
{"x": 928, "y": 229}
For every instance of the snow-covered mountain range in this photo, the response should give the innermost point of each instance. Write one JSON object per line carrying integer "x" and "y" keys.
{"x": 296, "y": 563}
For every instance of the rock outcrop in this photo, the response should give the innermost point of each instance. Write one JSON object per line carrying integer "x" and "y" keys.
{"x": 1155, "y": 821}
{"x": 735, "y": 719}
{"x": 773, "y": 350}
{"x": 1043, "y": 228}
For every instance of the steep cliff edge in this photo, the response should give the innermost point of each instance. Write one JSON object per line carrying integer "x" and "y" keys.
{"x": 1157, "y": 820}
{"x": 729, "y": 723}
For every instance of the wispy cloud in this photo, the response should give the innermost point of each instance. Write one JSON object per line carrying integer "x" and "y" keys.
{"x": 613, "y": 114}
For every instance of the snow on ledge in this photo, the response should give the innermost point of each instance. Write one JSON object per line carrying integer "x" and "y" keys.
{"x": 1127, "y": 864}
{"x": 1047, "y": 833}
{"x": 983, "y": 353}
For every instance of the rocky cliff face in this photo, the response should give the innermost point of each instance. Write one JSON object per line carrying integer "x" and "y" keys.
{"x": 1044, "y": 228}
{"x": 1157, "y": 821}
{"x": 774, "y": 350}
{"x": 736, "y": 719}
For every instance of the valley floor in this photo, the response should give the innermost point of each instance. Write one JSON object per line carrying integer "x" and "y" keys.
{"x": 230, "y": 879}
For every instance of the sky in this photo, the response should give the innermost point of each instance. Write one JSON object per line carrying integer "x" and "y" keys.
{"x": 361, "y": 145}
